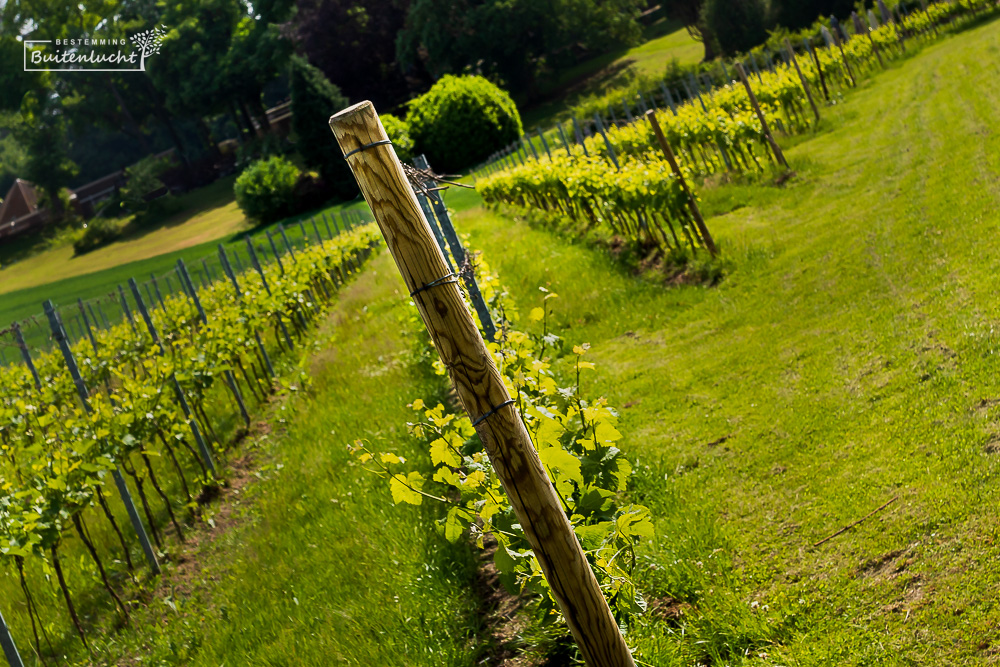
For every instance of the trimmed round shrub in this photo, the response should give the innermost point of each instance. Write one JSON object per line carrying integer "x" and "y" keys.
{"x": 265, "y": 191}
{"x": 97, "y": 232}
{"x": 399, "y": 133}
{"x": 461, "y": 120}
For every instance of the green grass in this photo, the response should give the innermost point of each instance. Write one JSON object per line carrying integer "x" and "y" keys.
{"x": 664, "y": 41}
{"x": 203, "y": 215}
{"x": 311, "y": 564}
{"x": 116, "y": 263}
{"x": 849, "y": 358}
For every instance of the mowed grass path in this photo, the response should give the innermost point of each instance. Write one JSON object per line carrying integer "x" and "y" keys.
{"x": 850, "y": 358}
{"x": 306, "y": 561}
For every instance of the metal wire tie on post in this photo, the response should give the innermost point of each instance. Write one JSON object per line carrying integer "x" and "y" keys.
{"x": 492, "y": 412}
{"x": 443, "y": 280}
{"x": 367, "y": 146}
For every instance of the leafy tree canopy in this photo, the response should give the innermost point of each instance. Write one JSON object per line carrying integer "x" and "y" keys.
{"x": 354, "y": 44}
{"x": 314, "y": 100}
{"x": 190, "y": 70}
{"x": 512, "y": 40}
{"x": 738, "y": 25}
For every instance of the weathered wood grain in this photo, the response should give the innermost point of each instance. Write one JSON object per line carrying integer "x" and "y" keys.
{"x": 480, "y": 387}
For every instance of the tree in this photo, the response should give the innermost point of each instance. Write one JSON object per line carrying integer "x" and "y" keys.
{"x": 461, "y": 120}
{"x": 738, "y": 25}
{"x": 82, "y": 110}
{"x": 190, "y": 72}
{"x": 314, "y": 100}
{"x": 257, "y": 54}
{"x": 688, "y": 12}
{"x": 12, "y": 153}
{"x": 514, "y": 41}
{"x": 797, "y": 14}
{"x": 354, "y": 44}
{"x": 42, "y": 134}
{"x": 14, "y": 82}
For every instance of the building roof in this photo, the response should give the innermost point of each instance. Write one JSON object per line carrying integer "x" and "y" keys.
{"x": 99, "y": 187}
{"x": 21, "y": 200}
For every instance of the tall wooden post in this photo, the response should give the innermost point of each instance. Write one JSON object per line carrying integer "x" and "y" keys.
{"x": 440, "y": 211}
{"x": 805, "y": 84}
{"x": 526, "y": 140}
{"x": 579, "y": 137}
{"x": 479, "y": 385}
{"x": 26, "y": 354}
{"x": 126, "y": 309}
{"x": 267, "y": 288}
{"x": 288, "y": 245}
{"x": 545, "y": 144}
{"x": 875, "y": 48}
{"x": 692, "y": 204}
{"x": 760, "y": 115}
{"x": 607, "y": 142}
{"x": 319, "y": 238}
{"x": 86, "y": 325}
{"x": 107, "y": 324}
{"x": 562, "y": 135}
{"x": 753, "y": 61}
{"x": 425, "y": 206}
{"x": 156, "y": 288}
{"x": 898, "y": 22}
{"x": 239, "y": 296}
{"x": 274, "y": 248}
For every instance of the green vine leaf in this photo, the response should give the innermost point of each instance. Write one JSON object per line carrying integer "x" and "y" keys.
{"x": 406, "y": 489}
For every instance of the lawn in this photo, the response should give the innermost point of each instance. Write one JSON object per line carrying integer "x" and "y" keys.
{"x": 664, "y": 41}
{"x": 209, "y": 216}
{"x": 848, "y": 360}
{"x": 204, "y": 215}
{"x": 263, "y": 576}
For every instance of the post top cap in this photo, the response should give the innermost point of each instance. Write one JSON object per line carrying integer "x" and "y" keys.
{"x": 351, "y": 111}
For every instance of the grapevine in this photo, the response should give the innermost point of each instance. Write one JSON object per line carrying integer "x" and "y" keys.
{"x": 578, "y": 443}
{"x": 57, "y": 455}
{"x": 616, "y": 178}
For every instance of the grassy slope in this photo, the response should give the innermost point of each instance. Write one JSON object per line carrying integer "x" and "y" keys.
{"x": 312, "y": 565}
{"x": 57, "y": 275}
{"x": 652, "y": 56}
{"x": 205, "y": 214}
{"x": 849, "y": 358}
{"x": 665, "y": 41}
{"x": 846, "y": 358}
